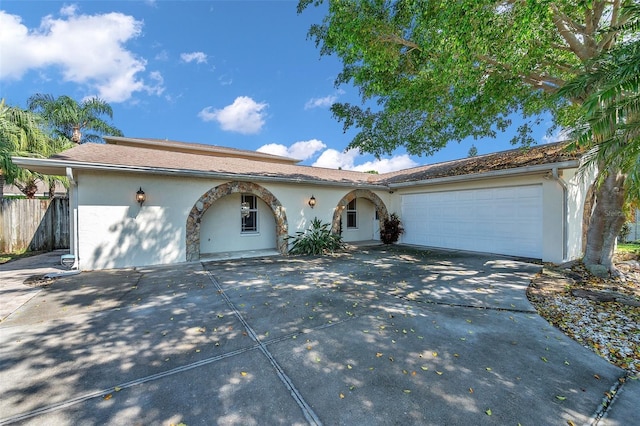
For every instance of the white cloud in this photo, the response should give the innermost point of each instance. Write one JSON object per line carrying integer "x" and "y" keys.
{"x": 324, "y": 102}
{"x": 386, "y": 165}
{"x": 558, "y": 135}
{"x": 225, "y": 80}
{"x": 302, "y": 150}
{"x": 87, "y": 49}
{"x": 346, "y": 160}
{"x": 198, "y": 57}
{"x": 158, "y": 87}
{"x": 275, "y": 149}
{"x": 244, "y": 116}
{"x": 68, "y": 10}
{"x": 334, "y": 159}
{"x": 162, "y": 55}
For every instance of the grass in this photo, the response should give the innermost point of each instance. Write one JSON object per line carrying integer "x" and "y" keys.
{"x": 8, "y": 257}
{"x": 632, "y": 247}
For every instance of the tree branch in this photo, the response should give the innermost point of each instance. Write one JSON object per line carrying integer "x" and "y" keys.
{"x": 401, "y": 41}
{"x": 547, "y": 83}
{"x": 560, "y": 21}
{"x": 609, "y": 39}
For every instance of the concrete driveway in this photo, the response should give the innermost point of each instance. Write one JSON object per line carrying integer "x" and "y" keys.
{"x": 378, "y": 336}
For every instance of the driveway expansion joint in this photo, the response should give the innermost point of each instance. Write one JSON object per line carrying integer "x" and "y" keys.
{"x": 610, "y": 398}
{"x": 307, "y": 411}
{"x": 101, "y": 393}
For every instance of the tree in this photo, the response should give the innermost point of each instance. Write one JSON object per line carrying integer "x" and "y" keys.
{"x": 473, "y": 151}
{"x": 441, "y": 71}
{"x": 20, "y": 135}
{"x": 68, "y": 119}
{"x": 609, "y": 127}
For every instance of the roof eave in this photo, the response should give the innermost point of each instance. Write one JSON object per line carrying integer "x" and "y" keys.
{"x": 526, "y": 170}
{"x": 59, "y": 168}
{"x": 191, "y": 148}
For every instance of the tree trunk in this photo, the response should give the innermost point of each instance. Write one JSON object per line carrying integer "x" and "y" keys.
{"x": 28, "y": 188}
{"x": 605, "y": 224}
{"x": 76, "y": 136}
{"x": 31, "y": 190}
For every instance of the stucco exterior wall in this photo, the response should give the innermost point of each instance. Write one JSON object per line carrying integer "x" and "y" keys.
{"x": 220, "y": 230}
{"x": 553, "y": 212}
{"x": 367, "y": 228}
{"x": 578, "y": 185}
{"x": 115, "y": 232}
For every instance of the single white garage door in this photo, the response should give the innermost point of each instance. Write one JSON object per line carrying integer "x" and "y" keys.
{"x": 505, "y": 220}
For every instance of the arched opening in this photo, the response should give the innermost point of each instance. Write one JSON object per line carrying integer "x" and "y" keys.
{"x": 200, "y": 208}
{"x": 359, "y": 219}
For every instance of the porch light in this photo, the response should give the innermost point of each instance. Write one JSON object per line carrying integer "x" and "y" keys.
{"x": 140, "y": 196}
{"x": 312, "y": 201}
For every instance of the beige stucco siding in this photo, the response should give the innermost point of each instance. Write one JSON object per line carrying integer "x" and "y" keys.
{"x": 367, "y": 228}
{"x": 221, "y": 225}
{"x": 554, "y": 218}
{"x": 115, "y": 232}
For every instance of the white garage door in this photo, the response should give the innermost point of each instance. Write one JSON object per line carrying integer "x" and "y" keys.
{"x": 504, "y": 220}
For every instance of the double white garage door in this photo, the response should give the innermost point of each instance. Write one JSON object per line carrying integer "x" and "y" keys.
{"x": 505, "y": 220}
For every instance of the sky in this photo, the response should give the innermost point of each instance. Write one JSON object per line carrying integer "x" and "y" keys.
{"x": 240, "y": 74}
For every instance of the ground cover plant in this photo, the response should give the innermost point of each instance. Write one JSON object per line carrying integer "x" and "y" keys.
{"x": 315, "y": 240}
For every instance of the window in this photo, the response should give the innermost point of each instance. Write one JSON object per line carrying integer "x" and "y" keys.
{"x": 352, "y": 215}
{"x": 249, "y": 209}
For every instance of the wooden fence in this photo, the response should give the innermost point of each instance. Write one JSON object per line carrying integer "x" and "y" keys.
{"x": 34, "y": 224}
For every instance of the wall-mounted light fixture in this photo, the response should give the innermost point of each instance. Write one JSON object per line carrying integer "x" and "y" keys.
{"x": 312, "y": 201}
{"x": 140, "y": 196}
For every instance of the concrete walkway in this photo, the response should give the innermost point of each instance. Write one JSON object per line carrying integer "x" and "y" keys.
{"x": 378, "y": 336}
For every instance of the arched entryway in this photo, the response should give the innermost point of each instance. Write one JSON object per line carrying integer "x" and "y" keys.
{"x": 207, "y": 199}
{"x": 377, "y": 202}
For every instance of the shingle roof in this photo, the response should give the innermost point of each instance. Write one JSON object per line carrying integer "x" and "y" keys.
{"x": 197, "y": 148}
{"x": 148, "y": 155}
{"x": 515, "y": 158}
{"x": 130, "y": 156}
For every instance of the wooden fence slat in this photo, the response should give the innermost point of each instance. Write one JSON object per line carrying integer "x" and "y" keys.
{"x": 35, "y": 225}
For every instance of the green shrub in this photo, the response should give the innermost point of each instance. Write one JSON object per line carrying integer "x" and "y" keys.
{"x": 624, "y": 233}
{"x": 391, "y": 229}
{"x": 316, "y": 240}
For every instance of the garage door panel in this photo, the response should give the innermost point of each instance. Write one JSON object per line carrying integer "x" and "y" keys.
{"x": 506, "y": 220}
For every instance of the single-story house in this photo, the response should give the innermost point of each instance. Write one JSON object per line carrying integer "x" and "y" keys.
{"x": 197, "y": 200}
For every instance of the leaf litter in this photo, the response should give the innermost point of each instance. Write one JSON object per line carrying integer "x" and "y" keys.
{"x": 600, "y": 314}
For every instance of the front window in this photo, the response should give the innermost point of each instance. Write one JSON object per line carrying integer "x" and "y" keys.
{"x": 249, "y": 209}
{"x": 352, "y": 216}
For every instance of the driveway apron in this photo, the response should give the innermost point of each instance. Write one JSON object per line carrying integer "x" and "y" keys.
{"x": 377, "y": 336}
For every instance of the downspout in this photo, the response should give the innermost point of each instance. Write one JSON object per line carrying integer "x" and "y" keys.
{"x": 73, "y": 217}
{"x": 565, "y": 212}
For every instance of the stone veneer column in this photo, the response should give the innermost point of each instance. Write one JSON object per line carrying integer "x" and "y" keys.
{"x": 214, "y": 194}
{"x": 358, "y": 193}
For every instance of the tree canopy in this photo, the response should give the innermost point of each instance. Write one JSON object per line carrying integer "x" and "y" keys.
{"x": 21, "y": 134}
{"x": 69, "y": 119}
{"x": 609, "y": 120}
{"x": 441, "y": 71}
{"x": 431, "y": 72}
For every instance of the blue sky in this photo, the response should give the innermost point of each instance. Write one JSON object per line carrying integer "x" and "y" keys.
{"x": 241, "y": 74}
